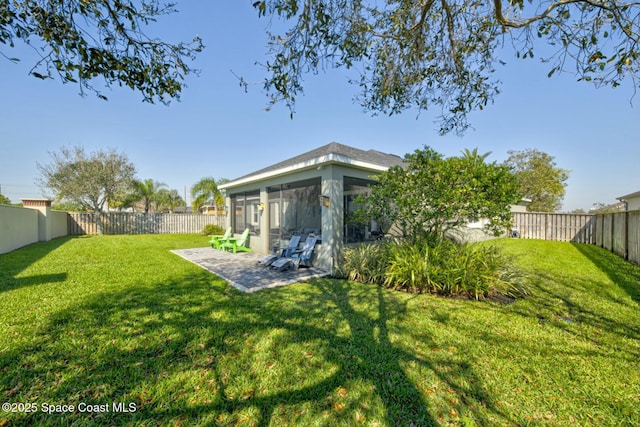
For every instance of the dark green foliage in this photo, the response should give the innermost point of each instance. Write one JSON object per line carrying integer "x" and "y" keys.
{"x": 212, "y": 230}
{"x": 409, "y": 268}
{"x": 433, "y": 194}
{"x": 433, "y": 265}
{"x": 539, "y": 178}
{"x": 84, "y": 40}
{"x": 365, "y": 263}
{"x": 441, "y": 55}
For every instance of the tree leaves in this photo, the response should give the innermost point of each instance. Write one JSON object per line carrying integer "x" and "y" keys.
{"x": 441, "y": 54}
{"x": 89, "y": 180}
{"x": 539, "y": 178}
{"x": 434, "y": 194}
{"x": 100, "y": 39}
{"x": 205, "y": 192}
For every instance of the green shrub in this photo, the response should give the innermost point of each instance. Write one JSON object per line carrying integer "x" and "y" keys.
{"x": 444, "y": 267}
{"x": 439, "y": 266}
{"x": 212, "y": 229}
{"x": 472, "y": 270}
{"x": 409, "y": 268}
{"x": 364, "y": 263}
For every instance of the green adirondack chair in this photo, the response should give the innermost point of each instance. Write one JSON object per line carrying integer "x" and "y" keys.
{"x": 217, "y": 240}
{"x": 239, "y": 244}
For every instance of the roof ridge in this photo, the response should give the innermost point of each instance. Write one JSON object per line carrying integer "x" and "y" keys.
{"x": 371, "y": 156}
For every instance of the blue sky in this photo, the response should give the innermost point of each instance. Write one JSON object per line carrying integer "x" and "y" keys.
{"x": 219, "y": 130}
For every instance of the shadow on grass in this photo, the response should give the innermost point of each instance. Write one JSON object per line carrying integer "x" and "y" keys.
{"x": 15, "y": 262}
{"x": 576, "y": 300}
{"x": 623, "y": 273}
{"x": 316, "y": 354}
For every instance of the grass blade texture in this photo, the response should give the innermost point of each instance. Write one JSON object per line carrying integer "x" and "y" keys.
{"x": 120, "y": 319}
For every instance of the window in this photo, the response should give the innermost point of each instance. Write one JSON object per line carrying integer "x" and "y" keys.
{"x": 354, "y": 230}
{"x": 294, "y": 209}
{"x": 246, "y": 213}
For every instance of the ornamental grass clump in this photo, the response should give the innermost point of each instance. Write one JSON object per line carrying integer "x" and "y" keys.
{"x": 437, "y": 266}
{"x": 364, "y": 263}
{"x": 477, "y": 271}
{"x": 410, "y": 268}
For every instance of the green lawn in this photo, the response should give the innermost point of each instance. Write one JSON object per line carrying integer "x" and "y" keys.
{"x": 120, "y": 320}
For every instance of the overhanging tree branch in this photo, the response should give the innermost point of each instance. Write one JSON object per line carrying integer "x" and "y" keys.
{"x": 85, "y": 40}
{"x": 443, "y": 53}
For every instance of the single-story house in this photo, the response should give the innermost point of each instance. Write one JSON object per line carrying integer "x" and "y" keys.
{"x": 631, "y": 201}
{"x": 312, "y": 193}
{"x": 522, "y": 206}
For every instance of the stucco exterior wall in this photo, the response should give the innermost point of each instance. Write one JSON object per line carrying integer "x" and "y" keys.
{"x": 18, "y": 227}
{"x": 21, "y": 226}
{"x": 58, "y": 224}
{"x": 332, "y": 218}
{"x": 633, "y": 203}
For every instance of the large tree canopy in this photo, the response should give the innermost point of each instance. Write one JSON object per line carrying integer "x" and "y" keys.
{"x": 434, "y": 194}
{"x": 541, "y": 180}
{"x": 442, "y": 53}
{"x": 409, "y": 54}
{"x": 81, "y": 40}
{"x": 90, "y": 180}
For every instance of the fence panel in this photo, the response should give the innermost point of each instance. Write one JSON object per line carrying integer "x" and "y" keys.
{"x": 617, "y": 232}
{"x": 633, "y": 236}
{"x": 81, "y": 223}
{"x": 138, "y": 223}
{"x": 552, "y": 226}
{"x": 607, "y": 232}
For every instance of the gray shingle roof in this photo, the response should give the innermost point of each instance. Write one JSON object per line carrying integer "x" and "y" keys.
{"x": 370, "y": 156}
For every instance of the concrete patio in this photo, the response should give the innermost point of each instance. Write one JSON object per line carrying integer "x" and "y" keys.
{"x": 242, "y": 271}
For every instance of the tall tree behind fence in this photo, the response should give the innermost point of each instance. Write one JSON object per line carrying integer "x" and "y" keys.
{"x": 617, "y": 232}
{"x": 139, "y": 223}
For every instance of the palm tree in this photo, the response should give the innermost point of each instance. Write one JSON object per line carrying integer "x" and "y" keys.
{"x": 206, "y": 192}
{"x": 474, "y": 156}
{"x": 147, "y": 191}
{"x": 170, "y": 199}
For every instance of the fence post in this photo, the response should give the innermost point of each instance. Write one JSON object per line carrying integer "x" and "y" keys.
{"x": 546, "y": 227}
{"x": 43, "y": 206}
{"x": 626, "y": 235}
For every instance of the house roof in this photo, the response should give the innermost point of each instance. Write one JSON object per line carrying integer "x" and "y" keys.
{"x": 330, "y": 153}
{"x": 629, "y": 196}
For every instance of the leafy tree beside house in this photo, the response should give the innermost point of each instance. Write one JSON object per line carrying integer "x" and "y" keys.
{"x": 4, "y": 200}
{"x": 428, "y": 197}
{"x": 434, "y": 194}
{"x": 540, "y": 179}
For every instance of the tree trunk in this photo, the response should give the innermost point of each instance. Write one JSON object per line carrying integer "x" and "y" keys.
{"x": 98, "y": 218}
